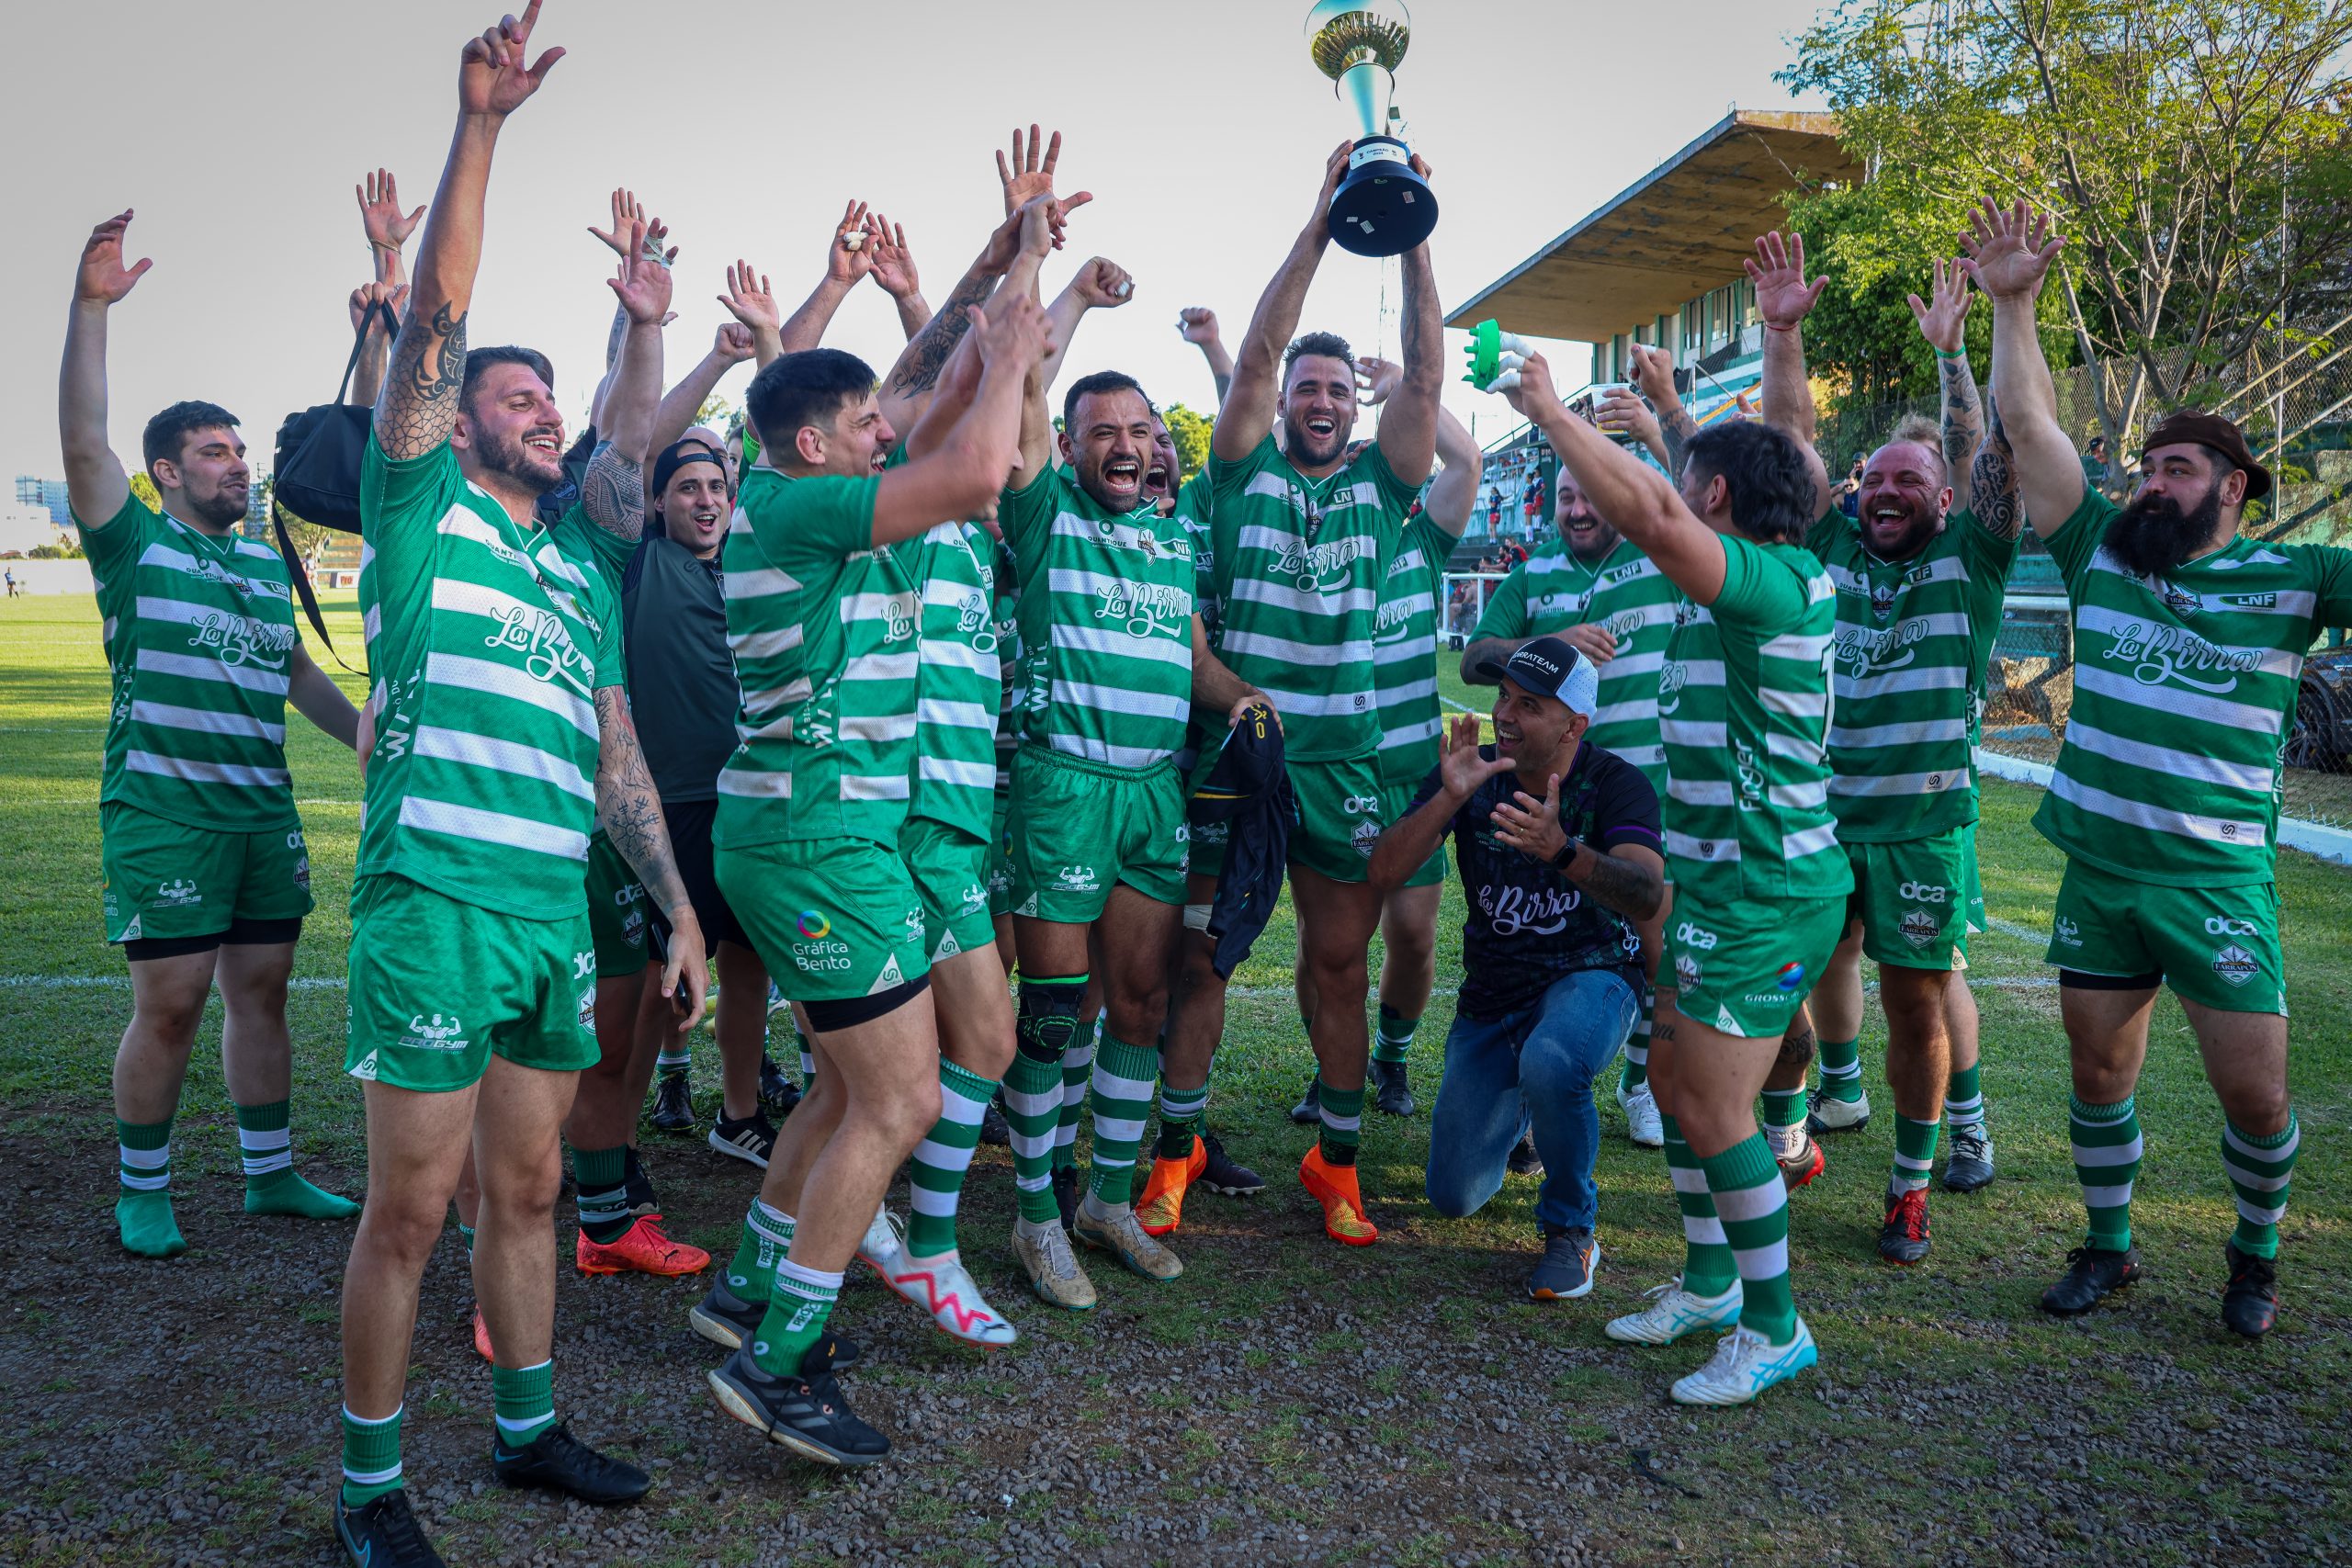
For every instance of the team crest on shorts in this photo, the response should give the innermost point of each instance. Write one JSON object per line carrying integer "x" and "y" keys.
{"x": 588, "y": 1009}
{"x": 1365, "y": 836}
{"x": 1685, "y": 970}
{"x": 2235, "y": 964}
{"x": 1919, "y": 927}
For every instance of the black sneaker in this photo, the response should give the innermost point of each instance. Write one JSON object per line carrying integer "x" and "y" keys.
{"x": 1525, "y": 1160}
{"x": 805, "y": 1413}
{"x": 2091, "y": 1273}
{"x": 1395, "y": 1091}
{"x": 1310, "y": 1104}
{"x": 1904, "y": 1238}
{"x": 994, "y": 1130}
{"x": 1569, "y": 1259}
{"x": 642, "y": 1199}
{"x": 674, "y": 1106}
{"x": 383, "y": 1534}
{"x": 1971, "y": 1165}
{"x": 560, "y": 1462}
{"x": 751, "y": 1139}
{"x": 1224, "y": 1174}
{"x": 778, "y": 1094}
{"x": 725, "y": 1318}
{"x": 2250, "y": 1304}
{"x": 1065, "y": 1194}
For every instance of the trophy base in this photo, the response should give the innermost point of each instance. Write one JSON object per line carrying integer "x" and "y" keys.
{"x": 1383, "y": 208}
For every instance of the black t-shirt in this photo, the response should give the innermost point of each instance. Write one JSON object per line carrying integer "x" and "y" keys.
{"x": 682, "y": 689}
{"x": 1528, "y": 924}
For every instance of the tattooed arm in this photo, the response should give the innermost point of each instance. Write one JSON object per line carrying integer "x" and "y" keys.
{"x": 1943, "y": 320}
{"x": 1653, "y": 376}
{"x": 1993, "y": 478}
{"x": 629, "y": 811}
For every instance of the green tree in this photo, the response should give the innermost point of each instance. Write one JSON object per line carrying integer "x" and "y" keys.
{"x": 2194, "y": 151}
{"x": 1191, "y": 432}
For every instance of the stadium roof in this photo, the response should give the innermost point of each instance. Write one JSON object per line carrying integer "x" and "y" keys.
{"x": 1672, "y": 235}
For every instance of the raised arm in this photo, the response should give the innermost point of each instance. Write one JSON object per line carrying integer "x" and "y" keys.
{"x": 894, "y": 272}
{"x": 1783, "y": 298}
{"x": 367, "y": 304}
{"x": 1246, "y": 416}
{"x": 418, "y": 407}
{"x": 1454, "y": 494}
{"x": 908, "y": 385}
{"x": 1622, "y": 413}
{"x": 613, "y": 491}
{"x": 681, "y": 407}
{"x": 846, "y": 260}
{"x": 1943, "y": 321}
{"x": 1197, "y": 325}
{"x": 2008, "y": 255}
{"x": 1408, "y": 424}
{"x": 751, "y": 300}
{"x": 1653, "y": 376}
{"x": 628, "y": 216}
{"x": 95, "y": 482}
{"x": 1099, "y": 285}
{"x": 966, "y": 474}
{"x": 1631, "y": 496}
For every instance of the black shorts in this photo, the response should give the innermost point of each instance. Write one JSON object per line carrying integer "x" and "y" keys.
{"x": 690, "y": 823}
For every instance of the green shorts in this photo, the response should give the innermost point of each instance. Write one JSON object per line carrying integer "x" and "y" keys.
{"x": 616, "y": 911}
{"x": 949, "y": 869}
{"x": 1396, "y": 797}
{"x": 2214, "y": 945}
{"x": 1746, "y": 971}
{"x": 1913, "y": 899}
{"x": 165, "y": 880}
{"x": 833, "y": 918}
{"x": 1342, "y": 807}
{"x": 1000, "y": 858}
{"x": 437, "y": 985}
{"x": 1081, "y": 829}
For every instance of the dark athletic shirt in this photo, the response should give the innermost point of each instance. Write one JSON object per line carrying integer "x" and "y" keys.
{"x": 682, "y": 689}
{"x": 1527, "y": 925}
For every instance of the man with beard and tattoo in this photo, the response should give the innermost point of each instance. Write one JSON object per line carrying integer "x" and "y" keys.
{"x": 206, "y": 876}
{"x": 2189, "y": 638}
{"x": 1303, "y": 536}
{"x": 501, "y": 739}
{"x": 1919, "y": 579}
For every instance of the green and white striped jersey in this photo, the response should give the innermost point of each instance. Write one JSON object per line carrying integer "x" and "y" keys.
{"x": 199, "y": 637}
{"x": 1404, "y": 653}
{"x": 488, "y": 642}
{"x": 1914, "y": 640}
{"x": 1106, "y": 623}
{"x": 825, "y": 626}
{"x": 2185, "y": 688}
{"x": 1744, "y": 708}
{"x": 1299, "y": 564}
{"x": 959, "y": 687}
{"x": 1552, "y": 591}
{"x": 1006, "y": 606}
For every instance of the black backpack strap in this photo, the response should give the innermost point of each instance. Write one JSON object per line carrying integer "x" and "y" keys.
{"x": 301, "y": 580}
{"x": 351, "y": 365}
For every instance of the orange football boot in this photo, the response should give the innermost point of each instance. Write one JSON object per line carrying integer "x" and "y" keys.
{"x": 1334, "y": 1187}
{"x": 640, "y": 1249}
{"x": 1162, "y": 1208}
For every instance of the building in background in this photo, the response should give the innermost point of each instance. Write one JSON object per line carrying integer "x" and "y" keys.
{"x": 45, "y": 495}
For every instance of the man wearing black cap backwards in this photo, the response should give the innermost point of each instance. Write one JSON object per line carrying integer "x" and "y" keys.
{"x": 1560, "y": 851}
{"x": 2188, "y": 645}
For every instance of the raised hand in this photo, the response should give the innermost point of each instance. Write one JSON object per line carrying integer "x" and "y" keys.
{"x": 734, "y": 343}
{"x": 1782, "y": 295}
{"x": 1376, "y": 378}
{"x": 379, "y": 212}
{"x": 627, "y": 210}
{"x": 1531, "y": 825}
{"x": 1102, "y": 284}
{"x": 750, "y": 300}
{"x": 368, "y": 296}
{"x": 1018, "y": 333}
{"x": 1624, "y": 413}
{"x": 1652, "y": 374}
{"x": 492, "y": 77}
{"x": 849, "y": 258}
{"x": 102, "y": 279}
{"x": 1197, "y": 324}
{"x": 1944, "y": 323}
{"x": 641, "y": 282}
{"x": 1463, "y": 770}
{"x": 2009, "y": 252}
{"x": 1334, "y": 169}
{"x": 893, "y": 263}
{"x": 1533, "y": 386}
{"x": 1030, "y": 173}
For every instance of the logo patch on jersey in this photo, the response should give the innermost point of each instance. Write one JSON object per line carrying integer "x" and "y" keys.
{"x": 2159, "y": 654}
{"x": 1671, "y": 681}
{"x": 238, "y": 641}
{"x": 1511, "y": 910}
{"x": 1881, "y": 601}
{"x": 1366, "y": 835}
{"x": 2179, "y": 600}
{"x": 2066, "y": 932}
{"x": 1076, "y": 879}
{"x": 2235, "y": 964}
{"x": 974, "y": 621}
{"x": 1319, "y": 569}
{"x": 1919, "y": 927}
{"x": 814, "y": 925}
{"x": 546, "y": 645}
{"x": 439, "y": 1035}
{"x": 1791, "y": 976}
{"x": 2249, "y": 601}
{"x": 178, "y": 892}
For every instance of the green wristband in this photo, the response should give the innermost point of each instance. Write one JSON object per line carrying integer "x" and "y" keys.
{"x": 1955, "y": 353}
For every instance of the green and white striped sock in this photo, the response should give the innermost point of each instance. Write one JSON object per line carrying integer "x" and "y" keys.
{"x": 1637, "y": 1046}
{"x": 1754, "y": 1203}
{"x": 2260, "y": 1168}
{"x": 677, "y": 1054}
{"x": 265, "y": 1138}
{"x": 796, "y": 1318}
{"x": 1964, "y": 1097}
{"x": 1078, "y": 1066}
{"x": 602, "y": 1177}
{"x": 941, "y": 1161}
{"x": 1181, "y": 1112}
{"x": 1915, "y": 1151}
{"x": 2107, "y": 1162}
{"x": 1393, "y": 1037}
{"x": 1782, "y": 1120}
{"x": 143, "y": 1210}
{"x": 1123, "y": 1082}
{"x": 371, "y": 1458}
{"x": 1033, "y": 1103}
{"x": 525, "y": 1401}
{"x": 1707, "y": 1266}
{"x": 1343, "y": 1123}
{"x": 767, "y": 1237}
{"x": 1841, "y": 1070}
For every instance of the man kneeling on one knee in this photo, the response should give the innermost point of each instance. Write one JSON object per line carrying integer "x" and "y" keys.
{"x": 1559, "y": 848}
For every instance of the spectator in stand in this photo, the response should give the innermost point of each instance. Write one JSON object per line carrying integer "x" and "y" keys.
{"x": 1513, "y": 554}
{"x": 1849, "y": 488}
{"x": 2097, "y": 473}
{"x": 1533, "y": 491}
{"x": 1494, "y": 510}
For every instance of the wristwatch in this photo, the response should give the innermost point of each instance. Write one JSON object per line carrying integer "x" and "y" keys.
{"x": 1567, "y": 856}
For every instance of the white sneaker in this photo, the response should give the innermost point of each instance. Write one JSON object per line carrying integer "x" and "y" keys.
{"x": 1053, "y": 1269}
{"x": 1642, "y": 1128}
{"x": 943, "y": 1287}
{"x": 885, "y": 1240}
{"x": 1824, "y": 1113}
{"x": 1745, "y": 1365}
{"x": 1675, "y": 1311}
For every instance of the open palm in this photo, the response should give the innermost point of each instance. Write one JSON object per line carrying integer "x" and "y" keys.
{"x": 103, "y": 277}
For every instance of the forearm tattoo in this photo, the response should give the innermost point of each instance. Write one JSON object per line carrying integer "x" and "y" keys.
{"x": 419, "y": 405}
{"x": 1678, "y": 430}
{"x": 628, "y": 806}
{"x": 925, "y": 357}
{"x": 613, "y": 492}
{"x": 1993, "y": 481}
{"x": 1964, "y": 424}
{"x": 613, "y": 339}
{"x": 1622, "y": 886}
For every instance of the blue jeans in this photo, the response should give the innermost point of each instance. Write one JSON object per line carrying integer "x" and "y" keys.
{"x": 1532, "y": 1069}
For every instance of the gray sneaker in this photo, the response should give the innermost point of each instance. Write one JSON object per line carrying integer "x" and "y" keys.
{"x": 1570, "y": 1256}
{"x": 1117, "y": 1231}
{"x": 1970, "y": 1166}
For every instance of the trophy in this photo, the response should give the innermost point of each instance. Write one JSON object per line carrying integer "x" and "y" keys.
{"x": 1381, "y": 207}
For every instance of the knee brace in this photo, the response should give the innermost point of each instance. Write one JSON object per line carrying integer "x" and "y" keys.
{"x": 1049, "y": 1020}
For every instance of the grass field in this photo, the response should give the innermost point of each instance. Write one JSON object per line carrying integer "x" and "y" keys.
{"x": 1285, "y": 1401}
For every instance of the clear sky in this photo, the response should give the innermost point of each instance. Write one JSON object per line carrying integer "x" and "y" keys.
{"x": 237, "y": 129}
